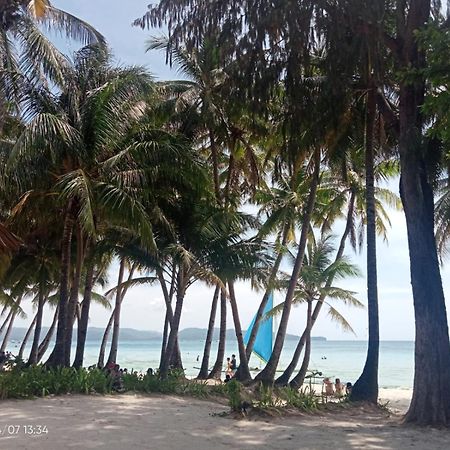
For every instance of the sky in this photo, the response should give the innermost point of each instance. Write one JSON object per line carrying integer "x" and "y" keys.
{"x": 143, "y": 307}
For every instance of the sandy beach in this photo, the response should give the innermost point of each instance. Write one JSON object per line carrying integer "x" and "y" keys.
{"x": 167, "y": 422}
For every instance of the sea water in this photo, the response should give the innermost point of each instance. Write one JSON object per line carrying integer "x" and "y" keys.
{"x": 334, "y": 359}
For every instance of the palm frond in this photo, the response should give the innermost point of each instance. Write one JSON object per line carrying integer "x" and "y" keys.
{"x": 337, "y": 317}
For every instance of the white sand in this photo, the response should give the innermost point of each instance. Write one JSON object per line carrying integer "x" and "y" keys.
{"x": 166, "y": 422}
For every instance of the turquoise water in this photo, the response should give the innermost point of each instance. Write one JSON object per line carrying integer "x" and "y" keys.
{"x": 344, "y": 359}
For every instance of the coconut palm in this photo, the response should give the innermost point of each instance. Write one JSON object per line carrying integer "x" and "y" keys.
{"x": 80, "y": 132}
{"x": 233, "y": 258}
{"x": 314, "y": 288}
{"x": 282, "y": 204}
{"x": 28, "y": 59}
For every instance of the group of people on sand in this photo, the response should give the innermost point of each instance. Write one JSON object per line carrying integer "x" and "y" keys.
{"x": 231, "y": 368}
{"x": 4, "y": 358}
{"x": 116, "y": 374}
{"x": 336, "y": 389}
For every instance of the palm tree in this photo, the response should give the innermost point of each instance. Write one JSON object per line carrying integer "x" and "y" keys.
{"x": 216, "y": 371}
{"x": 204, "y": 99}
{"x": 233, "y": 258}
{"x": 267, "y": 375}
{"x": 97, "y": 262}
{"x": 283, "y": 205}
{"x": 314, "y": 286}
{"x": 28, "y": 59}
{"x": 203, "y": 373}
{"x": 80, "y": 134}
{"x": 366, "y": 387}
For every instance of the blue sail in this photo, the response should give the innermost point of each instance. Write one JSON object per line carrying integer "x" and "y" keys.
{"x": 263, "y": 342}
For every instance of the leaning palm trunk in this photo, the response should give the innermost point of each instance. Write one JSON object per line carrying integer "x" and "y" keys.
{"x": 244, "y": 372}
{"x": 174, "y": 325}
{"x": 58, "y": 357}
{"x": 73, "y": 299}
{"x": 9, "y": 329}
{"x": 112, "y": 358}
{"x": 46, "y": 341}
{"x": 6, "y": 321}
{"x": 366, "y": 387}
{"x": 165, "y": 335}
{"x": 300, "y": 377}
{"x": 267, "y": 375}
{"x": 101, "y": 354}
{"x": 284, "y": 378}
{"x": 33, "y": 359}
{"x": 84, "y": 318}
{"x": 5, "y": 307}
{"x": 216, "y": 371}
{"x": 168, "y": 301}
{"x": 26, "y": 337}
{"x": 203, "y": 374}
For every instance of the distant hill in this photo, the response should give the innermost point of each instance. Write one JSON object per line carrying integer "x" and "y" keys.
{"x": 130, "y": 334}
{"x": 96, "y": 334}
{"x": 194, "y": 334}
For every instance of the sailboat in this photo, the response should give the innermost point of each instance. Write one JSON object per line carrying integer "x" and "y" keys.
{"x": 263, "y": 342}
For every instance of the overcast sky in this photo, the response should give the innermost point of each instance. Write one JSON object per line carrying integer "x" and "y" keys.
{"x": 143, "y": 307}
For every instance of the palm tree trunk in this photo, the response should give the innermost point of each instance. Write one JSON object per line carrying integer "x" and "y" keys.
{"x": 175, "y": 361}
{"x": 73, "y": 300}
{"x": 37, "y": 331}
{"x": 112, "y": 358}
{"x": 165, "y": 335}
{"x": 58, "y": 357}
{"x": 84, "y": 319}
{"x": 244, "y": 372}
{"x": 6, "y": 321}
{"x": 168, "y": 301}
{"x": 101, "y": 355}
{"x": 300, "y": 377}
{"x": 9, "y": 329}
{"x": 175, "y": 323}
{"x": 267, "y": 375}
{"x": 430, "y": 403}
{"x": 26, "y": 337}
{"x": 203, "y": 374}
{"x": 284, "y": 378}
{"x": 366, "y": 387}
{"x": 216, "y": 371}
{"x": 46, "y": 341}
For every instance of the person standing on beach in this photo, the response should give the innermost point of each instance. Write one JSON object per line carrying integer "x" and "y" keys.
{"x": 233, "y": 365}
{"x": 228, "y": 370}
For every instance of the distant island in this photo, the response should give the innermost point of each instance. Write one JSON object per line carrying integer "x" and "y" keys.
{"x": 130, "y": 334}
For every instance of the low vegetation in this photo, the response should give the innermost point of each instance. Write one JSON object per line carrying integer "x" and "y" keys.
{"x": 40, "y": 381}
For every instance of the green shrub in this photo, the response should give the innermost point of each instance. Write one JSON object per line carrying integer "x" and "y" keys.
{"x": 234, "y": 395}
{"x": 39, "y": 381}
{"x": 305, "y": 400}
{"x": 266, "y": 397}
{"x": 198, "y": 389}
